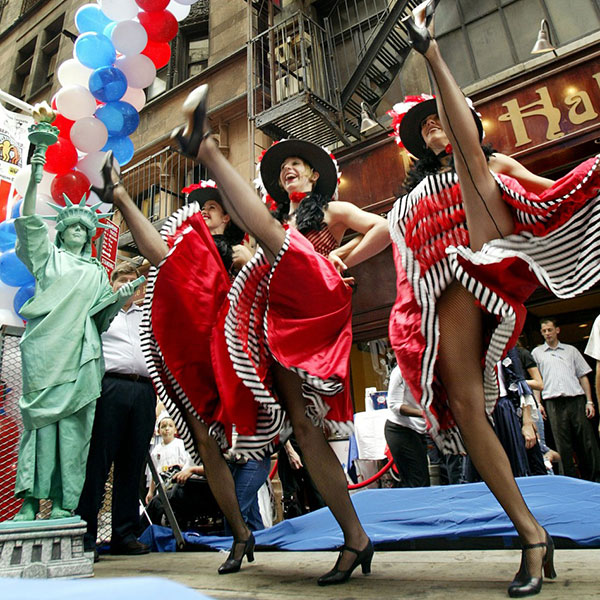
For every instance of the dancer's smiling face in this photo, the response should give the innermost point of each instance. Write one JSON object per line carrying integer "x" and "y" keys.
{"x": 215, "y": 217}
{"x": 433, "y": 135}
{"x": 295, "y": 175}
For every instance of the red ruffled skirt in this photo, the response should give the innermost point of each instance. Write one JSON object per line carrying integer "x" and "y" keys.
{"x": 183, "y": 332}
{"x": 556, "y": 244}
{"x": 296, "y": 312}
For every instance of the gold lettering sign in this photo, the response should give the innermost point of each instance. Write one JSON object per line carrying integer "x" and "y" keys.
{"x": 516, "y": 115}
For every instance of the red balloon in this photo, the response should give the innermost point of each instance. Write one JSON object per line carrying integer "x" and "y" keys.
{"x": 53, "y": 102}
{"x": 152, "y": 5}
{"x": 94, "y": 251}
{"x": 161, "y": 26}
{"x": 60, "y": 157}
{"x": 64, "y": 125}
{"x": 158, "y": 52}
{"x": 74, "y": 184}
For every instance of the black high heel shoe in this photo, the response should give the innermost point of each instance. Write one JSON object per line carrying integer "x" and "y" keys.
{"x": 106, "y": 192}
{"x": 189, "y": 138}
{"x": 526, "y": 585}
{"x": 418, "y": 36}
{"x": 232, "y": 564}
{"x": 363, "y": 558}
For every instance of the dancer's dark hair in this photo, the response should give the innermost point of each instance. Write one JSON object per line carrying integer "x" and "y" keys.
{"x": 225, "y": 250}
{"x": 430, "y": 164}
{"x": 310, "y": 213}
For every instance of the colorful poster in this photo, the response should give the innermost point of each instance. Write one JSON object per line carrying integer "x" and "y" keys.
{"x": 14, "y": 146}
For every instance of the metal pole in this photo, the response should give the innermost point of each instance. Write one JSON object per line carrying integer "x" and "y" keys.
{"x": 6, "y": 97}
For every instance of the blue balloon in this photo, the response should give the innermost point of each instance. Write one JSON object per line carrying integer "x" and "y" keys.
{"x": 12, "y": 271}
{"x": 8, "y": 235}
{"x": 122, "y": 148}
{"x": 94, "y": 50}
{"x": 23, "y": 294}
{"x": 108, "y": 84}
{"x": 121, "y": 118}
{"x": 109, "y": 29}
{"x": 16, "y": 209}
{"x": 90, "y": 18}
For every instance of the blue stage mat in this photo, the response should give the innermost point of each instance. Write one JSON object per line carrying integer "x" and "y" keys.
{"x": 443, "y": 516}
{"x": 96, "y": 589}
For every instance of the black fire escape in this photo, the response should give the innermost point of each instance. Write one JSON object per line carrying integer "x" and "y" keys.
{"x": 310, "y": 78}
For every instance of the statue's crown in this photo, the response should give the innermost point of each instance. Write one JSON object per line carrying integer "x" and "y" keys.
{"x": 77, "y": 213}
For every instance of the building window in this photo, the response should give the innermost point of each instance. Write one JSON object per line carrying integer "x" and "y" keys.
{"x": 197, "y": 55}
{"x": 37, "y": 60}
{"x": 23, "y": 70}
{"x": 46, "y": 63}
{"x": 479, "y": 38}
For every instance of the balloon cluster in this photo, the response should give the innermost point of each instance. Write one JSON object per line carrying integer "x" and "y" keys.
{"x": 121, "y": 44}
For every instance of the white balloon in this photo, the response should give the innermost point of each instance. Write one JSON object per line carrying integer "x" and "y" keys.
{"x": 7, "y": 294}
{"x": 42, "y": 207}
{"x": 119, "y": 10}
{"x": 138, "y": 68}
{"x": 8, "y": 315}
{"x": 129, "y": 37}
{"x": 46, "y": 183}
{"x": 75, "y": 102}
{"x": 186, "y": 2}
{"x": 89, "y": 134}
{"x": 72, "y": 72}
{"x": 90, "y": 166}
{"x": 179, "y": 11}
{"x": 136, "y": 97}
{"x": 21, "y": 180}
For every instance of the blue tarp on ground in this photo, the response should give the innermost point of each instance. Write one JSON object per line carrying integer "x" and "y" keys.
{"x": 96, "y": 589}
{"x": 567, "y": 507}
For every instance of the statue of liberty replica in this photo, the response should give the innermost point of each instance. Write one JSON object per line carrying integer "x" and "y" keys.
{"x": 61, "y": 350}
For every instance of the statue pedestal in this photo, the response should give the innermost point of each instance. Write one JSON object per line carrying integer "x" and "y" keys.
{"x": 44, "y": 549}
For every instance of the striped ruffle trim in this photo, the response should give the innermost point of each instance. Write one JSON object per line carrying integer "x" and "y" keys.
{"x": 272, "y": 418}
{"x": 167, "y": 388}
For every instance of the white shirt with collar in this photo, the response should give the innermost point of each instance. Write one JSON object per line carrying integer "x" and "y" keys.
{"x": 593, "y": 346}
{"x": 121, "y": 344}
{"x": 561, "y": 368}
{"x": 399, "y": 394}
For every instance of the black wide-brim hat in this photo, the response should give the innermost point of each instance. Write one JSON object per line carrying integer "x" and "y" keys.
{"x": 410, "y": 126}
{"x": 318, "y": 158}
{"x": 233, "y": 233}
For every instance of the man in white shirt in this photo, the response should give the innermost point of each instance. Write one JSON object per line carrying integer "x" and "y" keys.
{"x": 567, "y": 395}
{"x": 593, "y": 349}
{"x": 123, "y": 426}
{"x": 405, "y": 433}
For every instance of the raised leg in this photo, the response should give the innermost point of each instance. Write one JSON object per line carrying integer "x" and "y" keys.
{"x": 220, "y": 480}
{"x": 322, "y": 464}
{"x": 459, "y": 363}
{"x": 146, "y": 237}
{"x": 488, "y": 216}
{"x": 241, "y": 201}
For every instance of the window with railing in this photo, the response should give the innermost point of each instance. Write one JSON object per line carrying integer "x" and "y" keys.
{"x": 479, "y": 38}
{"x": 155, "y": 183}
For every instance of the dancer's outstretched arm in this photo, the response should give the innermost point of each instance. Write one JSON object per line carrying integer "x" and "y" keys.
{"x": 374, "y": 229}
{"x": 500, "y": 163}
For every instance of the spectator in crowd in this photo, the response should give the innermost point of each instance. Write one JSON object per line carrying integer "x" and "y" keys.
{"x": 170, "y": 456}
{"x": 299, "y": 493}
{"x": 122, "y": 430}
{"x": 567, "y": 395}
{"x": 534, "y": 380}
{"x": 405, "y": 432}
